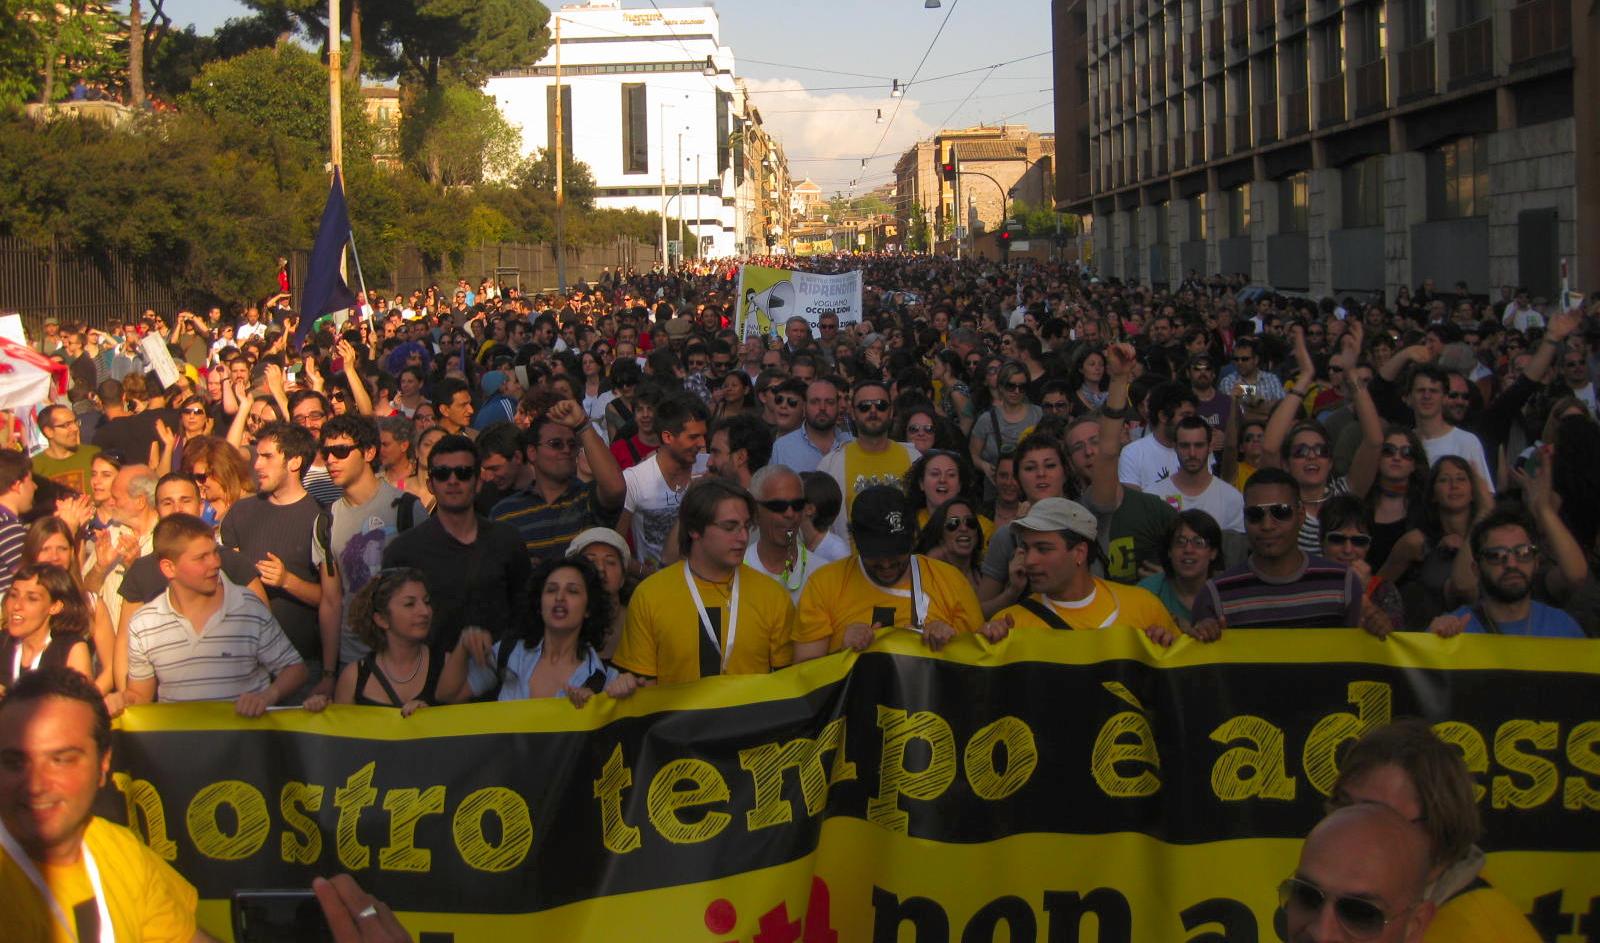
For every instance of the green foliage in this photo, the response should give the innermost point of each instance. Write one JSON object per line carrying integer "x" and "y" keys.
{"x": 46, "y": 44}
{"x": 275, "y": 102}
{"x": 1039, "y": 222}
{"x": 454, "y": 136}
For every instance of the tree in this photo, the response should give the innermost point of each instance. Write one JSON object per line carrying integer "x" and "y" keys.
{"x": 275, "y": 102}
{"x": 41, "y": 36}
{"x": 455, "y": 136}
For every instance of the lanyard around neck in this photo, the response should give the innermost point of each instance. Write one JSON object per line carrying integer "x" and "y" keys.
{"x": 705, "y": 616}
{"x": 25, "y": 863}
{"x": 919, "y": 601}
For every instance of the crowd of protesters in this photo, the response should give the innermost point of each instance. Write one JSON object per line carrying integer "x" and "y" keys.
{"x": 476, "y": 493}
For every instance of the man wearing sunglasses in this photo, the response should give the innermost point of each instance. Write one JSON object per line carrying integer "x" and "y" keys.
{"x": 873, "y": 458}
{"x": 1362, "y": 875}
{"x": 779, "y": 549}
{"x": 1279, "y": 585}
{"x": 820, "y": 435}
{"x": 1506, "y": 561}
{"x": 476, "y": 569}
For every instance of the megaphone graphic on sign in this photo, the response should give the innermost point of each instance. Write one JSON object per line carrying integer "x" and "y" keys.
{"x": 769, "y": 306}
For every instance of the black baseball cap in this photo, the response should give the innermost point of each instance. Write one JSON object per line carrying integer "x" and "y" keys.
{"x": 881, "y": 522}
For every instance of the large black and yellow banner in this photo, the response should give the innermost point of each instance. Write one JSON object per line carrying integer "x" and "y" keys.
{"x": 1058, "y": 787}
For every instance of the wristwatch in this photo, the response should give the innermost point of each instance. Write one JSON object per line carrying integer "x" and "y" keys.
{"x": 1125, "y": 412}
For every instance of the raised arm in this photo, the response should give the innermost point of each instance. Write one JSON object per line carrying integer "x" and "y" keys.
{"x": 1103, "y": 483}
{"x": 1564, "y": 550}
{"x": 352, "y": 373}
{"x": 1364, "y": 464}
{"x": 1288, "y": 410}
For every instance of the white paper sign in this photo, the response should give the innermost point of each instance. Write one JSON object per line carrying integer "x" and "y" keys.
{"x": 159, "y": 358}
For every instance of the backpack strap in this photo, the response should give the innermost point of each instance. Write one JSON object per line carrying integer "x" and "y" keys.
{"x": 405, "y": 511}
{"x": 324, "y": 534}
{"x": 383, "y": 680}
{"x": 1045, "y": 613}
{"x": 632, "y": 449}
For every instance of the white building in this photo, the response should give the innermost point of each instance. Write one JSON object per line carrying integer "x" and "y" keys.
{"x": 648, "y": 105}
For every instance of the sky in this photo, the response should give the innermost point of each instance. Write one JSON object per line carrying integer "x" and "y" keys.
{"x": 796, "y": 59}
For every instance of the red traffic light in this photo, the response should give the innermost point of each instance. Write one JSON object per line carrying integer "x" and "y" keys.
{"x": 1005, "y": 236}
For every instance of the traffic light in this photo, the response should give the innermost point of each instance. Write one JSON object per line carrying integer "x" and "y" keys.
{"x": 950, "y": 168}
{"x": 1005, "y": 237}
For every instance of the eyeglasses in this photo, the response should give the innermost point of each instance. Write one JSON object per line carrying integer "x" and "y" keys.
{"x": 66, "y": 425}
{"x": 778, "y": 505}
{"x": 311, "y": 417}
{"x": 1360, "y": 541}
{"x": 1053, "y": 406}
{"x": 872, "y": 405}
{"x": 1017, "y": 387}
{"x": 788, "y": 402}
{"x": 461, "y": 472}
{"x": 187, "y": 411}
{"x": 1390, "y": 450}
{"x": 953, "y": 524}
{"x": 560, "y": 445}
{"x": 1458, "y": 396}
{"x": 1500, "y": 556}
{"x": 340, "y": 452}
{"x": 1256, "y": 513}
{"x": 1320, "y": 450}
{"x": 1360, "y": 917}
{"x": 199, "y": 477}
{"x": 919, "y": 429}
{"x": 1197, "y": 542}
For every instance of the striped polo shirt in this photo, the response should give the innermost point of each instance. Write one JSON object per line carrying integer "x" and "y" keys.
{"x": 548, "y": 526}
{"x": 1322, "y": 594}
{"x": 239, "y": 650}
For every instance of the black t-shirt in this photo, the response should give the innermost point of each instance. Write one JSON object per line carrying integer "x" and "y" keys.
{"x": 484, "y": 583}
{"x": 144, "y": 580}
{"x": 134, "y": 435}
{"x": 255, "y": 527}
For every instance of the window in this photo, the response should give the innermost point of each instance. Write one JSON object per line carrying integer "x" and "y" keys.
{"x": 724, "y": 142}
{"x": 566, "y": 119}
{"x": 1294, "y": 65}
{"x": 1239, "y": 210}
{"x": 1267, "y": 78}
{"x": 1328, "y": 40}
{"x": 1470, "y": 11}
{"x": 1366, "y": 33}
{"x": 635, "y": 129}
{"x": 1294, "y": 202}
{"x": 1419, "y": 19}
{"x": 1362, "y": 185}
{"x": 1197, "y": 218}
{"x": 1458, "y": 179}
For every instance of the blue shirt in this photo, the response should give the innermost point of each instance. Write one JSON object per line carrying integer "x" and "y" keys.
{"x": 519, "y": 670}
{"x": 796, "y": 450}
{"x": 1543, "y": 621}
{"x": 499, "y": 408}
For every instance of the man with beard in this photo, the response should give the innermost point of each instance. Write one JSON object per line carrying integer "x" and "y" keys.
{"x": 65, "y": 459}
{"x": 654, "y": 488}
{"x": 820, "y": 435}
{"x": 873, "y": 458}
{"x": 1193, "y": 486}
{"x": 739, "y": 446}
{"x": 1147, "y": 462}
{"x": 1506, "y": 559}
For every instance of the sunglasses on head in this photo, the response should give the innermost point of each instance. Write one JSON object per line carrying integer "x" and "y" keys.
{"x": 778, "y": 505}
{"x": 1256, "y": 513}
{"x": 461, "y": 472}
{"x": 1390, "y": 450}
{"x": 872, "y": 405}
{"x": 338, "y": 451}
{"x": 1360, "y": 917}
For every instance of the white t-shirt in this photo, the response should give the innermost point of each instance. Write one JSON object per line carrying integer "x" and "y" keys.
{"x": 653, "y": 505}
{"x": 1221, "y": 500}
{"x": 806, "y": 563}
{"x": 833, "y": 547}
{"x": 1461, "y": 443}
{"x": 246, "y": 330}
{"x": 1145, "y": 463}
{"x": 1586, "y": 393}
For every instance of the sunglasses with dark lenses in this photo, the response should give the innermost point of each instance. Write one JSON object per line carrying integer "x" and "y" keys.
{"x": 1355, "y": 540}
{"x": 340, "y": 452}
{"x": 1256, "y": 513}
{"x": 560, "y": 445}
{"x": 1391, "y": 450}
{"x": 1308, "y": 450}
{"x": 954, "y": 524}
{"x": 789, "y": 402}
{"x": 778, "y": 506}
{"x": 1361, "y": 918}
{"x": 199, "y": 477}
{"x": 871, "y": 405}
{"x": 1500, "y": 556}
{"x": 461, "y": 472}
{"x": 1017, "y": 387}
{"x": 194, "y": 410}
{"x": 919, "y": 429}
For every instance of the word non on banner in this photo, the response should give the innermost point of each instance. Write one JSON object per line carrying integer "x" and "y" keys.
{"x": 893, "y": 795}
{"x": 769, "y": 297}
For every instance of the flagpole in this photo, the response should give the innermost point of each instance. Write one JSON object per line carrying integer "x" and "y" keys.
{"x": 335, "y": 107}
{"x": 360, "y": 279}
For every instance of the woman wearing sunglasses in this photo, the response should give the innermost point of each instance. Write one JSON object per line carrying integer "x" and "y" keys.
{"x": 1407, "y": 767}
{"x": 1347, "y": 539}
{"x": 1004, "y": 424}
{"x": 1398, "y": 493}
{"x": 954, "y": 534}
{"x": 222, "y": 475}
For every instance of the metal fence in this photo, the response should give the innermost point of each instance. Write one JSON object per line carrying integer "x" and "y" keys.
{"x": 41, "y": 281}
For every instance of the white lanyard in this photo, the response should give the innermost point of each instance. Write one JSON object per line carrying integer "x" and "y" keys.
{"x": 919, "y": 601}
{"x": 799, "y": 566}
{"x": 16, "y": 660}
{"x": 705, "y": 617}
{"x": 107, "y": 933}
{"x": 1116, "y": 608}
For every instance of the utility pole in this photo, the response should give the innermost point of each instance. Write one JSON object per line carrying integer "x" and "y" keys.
{"x": 561, "y": 196}
{"x": 680, "y": 198}
{"x": 661, "y": 159}
{"x": 698, "y": 186}
{"x": 336, "y": 110}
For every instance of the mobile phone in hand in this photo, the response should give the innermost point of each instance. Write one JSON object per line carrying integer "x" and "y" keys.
{"x": 279, "y": 916}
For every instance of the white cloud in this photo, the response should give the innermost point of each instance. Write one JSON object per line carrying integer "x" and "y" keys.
{"x": 837, "y": 124}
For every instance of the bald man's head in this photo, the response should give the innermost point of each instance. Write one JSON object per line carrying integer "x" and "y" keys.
{"x": 1363, "y": 854}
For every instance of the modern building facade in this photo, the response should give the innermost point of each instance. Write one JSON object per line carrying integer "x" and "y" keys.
{"x": 1333, "y": 146}
{"x": 998, "y": 165}
{"x": 650, "y": 103}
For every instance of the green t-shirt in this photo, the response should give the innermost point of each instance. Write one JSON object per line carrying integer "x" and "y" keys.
{"x": 1133, "y": 533}
{"x": 72, "y": 471}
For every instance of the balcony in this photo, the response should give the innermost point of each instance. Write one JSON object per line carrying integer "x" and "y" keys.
{"x": 1330, "y": 101}
{"x": 1160, "y": 169}
{"x": 1371, "y": 87}
{"x": 1238, "y": 25}
{"x": 1472, "y": 52}
{"x": 1296, "y": 112}
{"x": 1539, "y": 28}
{"x": 1267, "y": 122}
{"x": 1179, "y": 159}
{"x": 1241, "y": 132}
{"x": 1416, "y": 71}
{"x": 1197, "y": 147}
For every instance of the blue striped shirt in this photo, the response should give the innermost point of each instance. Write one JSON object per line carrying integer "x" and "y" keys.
{"x": 1320, "y": 595}
{"x": 11, "y": 534}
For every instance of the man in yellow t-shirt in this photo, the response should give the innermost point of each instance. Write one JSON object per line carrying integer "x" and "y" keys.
{"x": 873, "y": 458}
{"x": 64, "y": 872}
{"x": 1057, "y": 538}
{"x": 883, "y": 584}
{"x": 678, "y": 626}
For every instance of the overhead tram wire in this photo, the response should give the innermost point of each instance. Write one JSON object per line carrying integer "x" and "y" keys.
{"x": 914, "y": 74}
